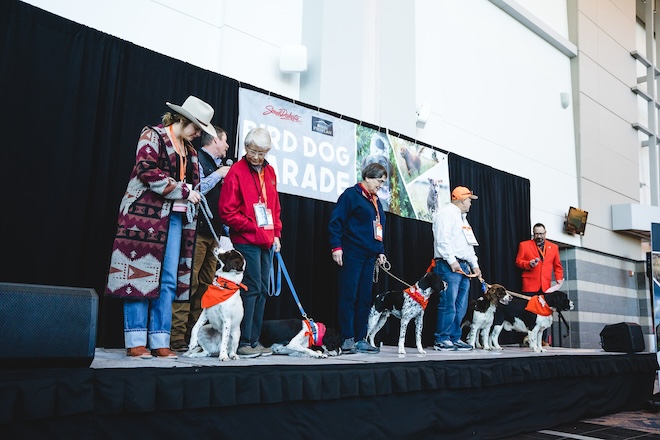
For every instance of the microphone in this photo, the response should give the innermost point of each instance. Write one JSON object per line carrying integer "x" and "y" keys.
{"x": 229, "y": 162}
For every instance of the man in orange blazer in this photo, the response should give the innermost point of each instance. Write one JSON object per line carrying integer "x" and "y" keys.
{"x": 539, "y": 259}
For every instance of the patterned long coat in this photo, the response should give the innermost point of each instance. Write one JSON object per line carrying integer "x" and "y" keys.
{"x": 144, "y": 214}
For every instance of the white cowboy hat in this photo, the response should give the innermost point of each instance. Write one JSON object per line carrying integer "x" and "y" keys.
{"x": 196, "y": 111}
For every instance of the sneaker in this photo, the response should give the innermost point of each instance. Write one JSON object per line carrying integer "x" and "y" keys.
{"x": 365, "y": 347}
{"x": 348, "y": 347}
{"x": 263, "y": 350}
{"x": 462, "y": 346}
{"x": 179, "y": 345}
{"x": 444, "y": 345}
{"x": 247, "y": 352}
{"x": 139, "y": 352}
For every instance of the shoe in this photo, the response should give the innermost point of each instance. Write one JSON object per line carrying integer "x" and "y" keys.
{"x": 139, "y": 352}
{"x": 462, "y": 346}
{"x": 263, "y": 350}
{"x": 348, "y": 347}
{"x": 164, "y": 353}
{"x": 544, "y": 344}
{"x": 365, "y": 347}
{"x": 445, "y": 345}
{"x": 179, "y": 345}
{"x": 247, "y": 352}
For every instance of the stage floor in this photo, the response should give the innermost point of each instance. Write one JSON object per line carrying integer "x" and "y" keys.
{"x": 116, "y": 358}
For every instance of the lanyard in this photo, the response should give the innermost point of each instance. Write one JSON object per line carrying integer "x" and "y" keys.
{"x": 180, "y": 152}
{"x": 541, "y": 252}
{"x": 373, "y": 198}
{"x": 261, "y": 191}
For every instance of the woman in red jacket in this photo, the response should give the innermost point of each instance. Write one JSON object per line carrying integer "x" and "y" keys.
{"x": 250, "y": 205}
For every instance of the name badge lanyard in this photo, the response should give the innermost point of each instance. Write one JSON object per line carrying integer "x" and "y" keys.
{"x": 378, "y": 228}
{"x": 541, "y": 252}
{"x": 261, "y": 191}
{"x": 262, "y": 214}
{"x": 183, "y": 159}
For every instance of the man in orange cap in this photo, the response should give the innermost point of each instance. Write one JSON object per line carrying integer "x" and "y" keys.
{"x": 455, "y": 259}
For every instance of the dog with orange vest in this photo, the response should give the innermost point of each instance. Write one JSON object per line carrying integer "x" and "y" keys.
{"x": 218, "y": 329}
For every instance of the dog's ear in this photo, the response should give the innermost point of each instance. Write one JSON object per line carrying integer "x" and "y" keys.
{"x": 432, "y": 280}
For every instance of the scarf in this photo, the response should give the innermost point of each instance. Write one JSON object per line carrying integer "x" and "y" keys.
{"x": 221, "y": 290}
{"x": 416, "y": 294}
{"x": 537, "y": 304}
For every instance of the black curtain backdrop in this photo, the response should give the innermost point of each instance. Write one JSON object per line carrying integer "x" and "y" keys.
{"x": 75, "y": 100}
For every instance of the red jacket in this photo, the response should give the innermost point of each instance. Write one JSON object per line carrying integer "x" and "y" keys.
{"x": 535, "y": 279}
{"x": 240, "y": 191}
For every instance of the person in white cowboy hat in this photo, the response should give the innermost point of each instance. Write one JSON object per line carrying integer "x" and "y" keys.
{"x": 151, "y": 256}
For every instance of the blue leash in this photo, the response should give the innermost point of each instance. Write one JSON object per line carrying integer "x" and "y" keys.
{"x": 276, "y": 282}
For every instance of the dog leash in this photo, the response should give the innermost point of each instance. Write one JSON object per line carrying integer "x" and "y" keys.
{"x": 386, "y": 266}
{"x": 276, "y": 282}
{"x": 208, "y": 215}
{"x": 276, "y": 287}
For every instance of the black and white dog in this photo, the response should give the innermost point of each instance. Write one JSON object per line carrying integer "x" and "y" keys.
{"x": 300, "y": 337}
{"x": 481, "y": 313}
{"x": 531, "y": 317}
{"x": 405, "y": 305}
{"x": 222, "y": 308}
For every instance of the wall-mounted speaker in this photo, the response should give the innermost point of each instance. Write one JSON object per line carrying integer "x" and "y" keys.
{"x": 624, "y": 337}
{"x": 47, "y": 326}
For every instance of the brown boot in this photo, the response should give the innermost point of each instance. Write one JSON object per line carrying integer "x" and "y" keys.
{"x": 164, "y": 353}
{"x": 139, "y": 352}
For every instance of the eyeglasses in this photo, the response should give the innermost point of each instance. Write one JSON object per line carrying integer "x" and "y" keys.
{"x": 255, "y": 153}
{"x": 380, "y": 179}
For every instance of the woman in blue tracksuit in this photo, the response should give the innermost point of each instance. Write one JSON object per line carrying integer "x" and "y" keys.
{"x": 356, "y": 238}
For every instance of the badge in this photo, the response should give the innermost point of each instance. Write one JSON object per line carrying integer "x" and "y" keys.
{"x": 469, "y": 236}
{"x": 378, "y": 231}
{"x": 263, "y": 215}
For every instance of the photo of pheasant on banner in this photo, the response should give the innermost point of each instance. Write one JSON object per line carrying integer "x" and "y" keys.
{"x": 425, "y": 175}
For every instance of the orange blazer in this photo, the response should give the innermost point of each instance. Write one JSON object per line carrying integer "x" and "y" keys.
{"x": 538, "y": 279}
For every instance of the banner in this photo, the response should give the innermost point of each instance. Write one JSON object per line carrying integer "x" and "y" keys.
{"x": 418, "y": 181}
{"x": 312, "y": 153}
{"x": 318, "y": 156}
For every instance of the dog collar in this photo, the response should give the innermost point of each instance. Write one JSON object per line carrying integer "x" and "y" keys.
{"x": 538, "y": 305}
{"x": 415, "y": 293}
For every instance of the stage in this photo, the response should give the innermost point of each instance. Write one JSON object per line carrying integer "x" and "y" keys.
{"x": 448, "y": 395}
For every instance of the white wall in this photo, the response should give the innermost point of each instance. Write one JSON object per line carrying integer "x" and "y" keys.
{"x": 494, "y": 88}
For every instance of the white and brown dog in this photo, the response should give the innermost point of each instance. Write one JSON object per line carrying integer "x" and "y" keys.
{"x": 300, "y": 337}
{"x": 405, "y": 305}
{"x": 531, "y": 317}
{"x": 481, "y": 312}
{"x": 218, "y": 329}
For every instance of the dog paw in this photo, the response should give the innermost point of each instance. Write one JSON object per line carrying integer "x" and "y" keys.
{"x": 422, "y": 351}
{"x": 195, "y": 352}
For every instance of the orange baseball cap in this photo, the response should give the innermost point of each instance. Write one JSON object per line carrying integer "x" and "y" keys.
{"x": 461, "y": 192}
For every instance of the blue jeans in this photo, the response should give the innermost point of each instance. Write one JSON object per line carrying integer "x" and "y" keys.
{"x": 355, "y": 284}
{"x": 453, "y": 301}
{"x": 158, "y": 312}
{"x": 258, "y": 262}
